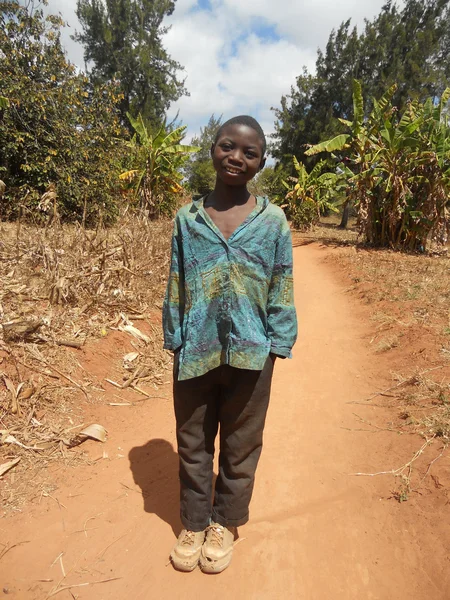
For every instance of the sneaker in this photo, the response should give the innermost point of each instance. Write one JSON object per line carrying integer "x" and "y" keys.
{"x": 186, "y": 552}
{"x": 218, "y": 548}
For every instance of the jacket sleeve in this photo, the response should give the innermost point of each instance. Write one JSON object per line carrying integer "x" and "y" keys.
{"x": 281, "y": 314}
{"x": 173, "y": 307}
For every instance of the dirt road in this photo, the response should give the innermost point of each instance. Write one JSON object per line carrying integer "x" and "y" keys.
{"x": 316, "y": 531}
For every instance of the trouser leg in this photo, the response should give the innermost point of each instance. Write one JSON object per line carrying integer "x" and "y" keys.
{"x": 242, "y": 415}
{"x": 196, "y": 411}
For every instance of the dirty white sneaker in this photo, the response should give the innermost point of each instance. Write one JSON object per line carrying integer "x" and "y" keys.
{"x": 217, "y": 550}
{"x": 186, "y": 552}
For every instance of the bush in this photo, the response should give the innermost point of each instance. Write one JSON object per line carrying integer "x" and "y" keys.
{"x": 58, "y": 132}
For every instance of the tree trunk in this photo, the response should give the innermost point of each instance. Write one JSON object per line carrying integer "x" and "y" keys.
{"x": 345, "y": 213}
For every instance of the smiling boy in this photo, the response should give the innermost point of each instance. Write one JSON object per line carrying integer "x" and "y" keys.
{"x": 228, "y": 313}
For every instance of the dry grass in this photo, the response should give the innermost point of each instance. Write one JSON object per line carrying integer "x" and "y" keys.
{"x": 71, "y": 285}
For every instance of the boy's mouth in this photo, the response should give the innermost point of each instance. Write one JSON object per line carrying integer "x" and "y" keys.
{"x": 233, "y": 171}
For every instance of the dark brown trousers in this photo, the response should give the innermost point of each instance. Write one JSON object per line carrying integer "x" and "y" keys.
{"x": 237, "y": 400}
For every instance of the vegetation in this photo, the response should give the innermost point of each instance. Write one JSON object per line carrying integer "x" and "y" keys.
{"x": 63, "y": 143}
{"x": 400, "y": 176}
{"x": 199, "y": 171}
{"x": 122, "y": 41}
{"x": 71, "y": 287}
{"x": 270, "y": 182}
{"x": 58, "y": 132}
{"x": 408, "y": 48}
{"x": 311, "y": 194}
{"x": 158, "y": 162}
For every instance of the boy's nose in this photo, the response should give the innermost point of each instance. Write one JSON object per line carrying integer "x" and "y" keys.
{"x": 236, "y": 155}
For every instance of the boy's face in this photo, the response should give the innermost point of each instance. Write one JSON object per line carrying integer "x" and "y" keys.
{"x": 237, "y": 155}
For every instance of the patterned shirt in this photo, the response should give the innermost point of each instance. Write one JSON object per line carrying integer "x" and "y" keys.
{"x": 229, "y": 301}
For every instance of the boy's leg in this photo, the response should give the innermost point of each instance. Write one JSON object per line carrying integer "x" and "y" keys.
{"x": 196, "y": 410}
{"x": 242, "y": 415}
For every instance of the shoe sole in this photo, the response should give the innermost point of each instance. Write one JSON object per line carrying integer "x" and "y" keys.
{"x": 183, "y": 567}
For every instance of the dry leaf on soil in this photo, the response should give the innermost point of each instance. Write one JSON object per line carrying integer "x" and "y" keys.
{"x": 5, "y": 467}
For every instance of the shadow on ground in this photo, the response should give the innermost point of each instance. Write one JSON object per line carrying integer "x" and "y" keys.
{"x": 155, "y": 470}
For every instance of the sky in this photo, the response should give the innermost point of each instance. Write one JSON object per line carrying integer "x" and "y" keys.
{"x": 240, "y": 56}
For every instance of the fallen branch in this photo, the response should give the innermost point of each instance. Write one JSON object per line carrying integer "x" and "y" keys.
{"x": 400, "y": 470}
{"x": 77, "y": 585}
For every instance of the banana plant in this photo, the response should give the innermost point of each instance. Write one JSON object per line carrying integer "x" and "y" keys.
{"x": 159, "y": 159}
{"x": 400, "y": 175}
{"x": 310, "y": 194}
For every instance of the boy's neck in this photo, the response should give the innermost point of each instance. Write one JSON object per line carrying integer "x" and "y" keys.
{"x": 226, "y": 196}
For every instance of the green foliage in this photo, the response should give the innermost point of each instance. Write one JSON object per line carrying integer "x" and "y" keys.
{"x": 400, "y": 174}
{"x": 270, "y": 182}
{"x": 157, "y": 167}
{"x": 199, "y": 170}
{"x": 57, "y": 131}
{"x": 123, "y": 41}
{"x": 310, "y": 194}
{"x": 408, "y": 48}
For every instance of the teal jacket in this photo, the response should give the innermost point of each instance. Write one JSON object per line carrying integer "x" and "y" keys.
{"x": 229, "y": 301}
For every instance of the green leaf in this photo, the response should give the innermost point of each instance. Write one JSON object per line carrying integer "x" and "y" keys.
{"x": 337, "y": 143}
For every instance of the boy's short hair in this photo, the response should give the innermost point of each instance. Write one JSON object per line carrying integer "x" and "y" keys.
{"x": 249, "y": 122}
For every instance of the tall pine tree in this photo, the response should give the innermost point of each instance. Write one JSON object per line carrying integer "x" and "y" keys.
{"x": 123, "y": 41}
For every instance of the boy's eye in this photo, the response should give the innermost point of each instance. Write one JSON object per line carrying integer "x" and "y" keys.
{"x": 225, "y": 146}
{"x": 251, "y": 154}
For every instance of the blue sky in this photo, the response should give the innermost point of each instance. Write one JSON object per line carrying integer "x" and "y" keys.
{"x": 240, "y": 56}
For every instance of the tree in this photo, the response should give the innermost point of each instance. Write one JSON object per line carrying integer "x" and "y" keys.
{"x": 57, "y": 130}
{"x": 310, "y": 194}
{"x": 401, "y": 179}
{"x": 294, "y": 125}
{"x": 159, "y": 160}
{"x": 123, "y": 41}
{"x": 408, "y": 47}
{"x": 270, "y": 182}
{"x": 200, "y": 173}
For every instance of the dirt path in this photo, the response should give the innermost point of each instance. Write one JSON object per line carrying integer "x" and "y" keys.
{"x": 316, "y": 531}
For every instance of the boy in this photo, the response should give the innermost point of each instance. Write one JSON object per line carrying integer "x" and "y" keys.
{"x": 228, "y": 312}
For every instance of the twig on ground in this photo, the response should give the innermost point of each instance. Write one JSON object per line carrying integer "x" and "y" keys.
{"x": 400, "y": 470}
{"x": 8, "y": 548}
{"x": 87, "y": 521}
{"x": 375, "y": 426}
{"x": 397, "y": 385}
{"x": 76, "y": 384}
{"x": 138, "y": 389}
{"x": 432, "y": 463}
{"x": 77, "y": 585}
{"x": 100, "y": 556}
{"x": 62, "y": 564}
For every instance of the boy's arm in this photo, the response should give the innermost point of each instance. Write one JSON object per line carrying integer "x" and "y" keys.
{"x": 173, "y": 307}
{"x": 281, "y": 315}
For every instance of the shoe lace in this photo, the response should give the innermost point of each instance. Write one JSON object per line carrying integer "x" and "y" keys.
{"x": 188, "y": 538}
{"x": 216, "y": 535}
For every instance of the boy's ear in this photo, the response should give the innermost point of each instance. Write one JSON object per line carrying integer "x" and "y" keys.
{"x": 262, "y": 164}
{"x": 212, "y": 149}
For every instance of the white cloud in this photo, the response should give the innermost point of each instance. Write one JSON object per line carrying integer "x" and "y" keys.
{"x": 230, "y": 73}
{"x": 66, "y": 8}
{"x": 232, "y": 62}
{"x": 307, "y": 23}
